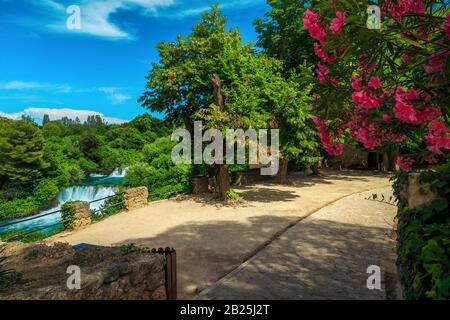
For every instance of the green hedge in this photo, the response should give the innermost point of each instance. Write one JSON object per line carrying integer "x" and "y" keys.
{"x": 424, "y": 239}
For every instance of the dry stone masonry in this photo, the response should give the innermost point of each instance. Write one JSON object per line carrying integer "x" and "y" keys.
{"x": 81, "y": 214}
{"x": 136, "y": 198}
{"x": 106, "y": 273}
{"x": 417, "y": 194}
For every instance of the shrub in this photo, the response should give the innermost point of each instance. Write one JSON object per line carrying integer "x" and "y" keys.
{"x": 139, "y": 174}
{"x": 45, "y": 191}
{"x": 424, "y": 239}
{"x": 68, "y": 215}
{"x": 233, "y": 195}
{"x": 112, "y": 205}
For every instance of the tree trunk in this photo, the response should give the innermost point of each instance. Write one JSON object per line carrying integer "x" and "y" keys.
{"x": 221, "y": 170}
{"x": 391, "y": 158}
{"x": 315, "y": 169}
{"x": 282, "y": 171}
{"x": 222, "y": 181}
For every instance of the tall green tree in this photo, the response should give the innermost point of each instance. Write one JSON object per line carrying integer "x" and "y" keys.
{"x": 21, "y": 153}
{"x": 212, "y": 76}
{"x": 281, "y": 33}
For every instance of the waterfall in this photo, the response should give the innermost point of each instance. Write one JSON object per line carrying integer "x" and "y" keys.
{"x": 96, "y": 187}
{"x": 74, "y": 193}
{"x": 118, "y": 173}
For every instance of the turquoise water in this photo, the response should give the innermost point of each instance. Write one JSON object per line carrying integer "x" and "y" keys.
{"x": 93, "y": 188}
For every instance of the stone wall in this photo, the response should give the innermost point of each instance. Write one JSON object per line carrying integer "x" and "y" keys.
{"x": 81, "y": 214}
{"x": 243, "y": 178}
{"x": 200, "y": 185}
{"x": 106, "y": 273}
{"x": 353, "y": 156}
{"x": 136, "y": 198}
{"x": 415, "y": 193}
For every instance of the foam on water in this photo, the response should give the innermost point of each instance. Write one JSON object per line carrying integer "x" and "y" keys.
{"x": 74, "y": 193}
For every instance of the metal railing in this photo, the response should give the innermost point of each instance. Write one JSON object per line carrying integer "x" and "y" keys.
{"x": 27, "y": 232}
{"x": 97, "y": 213}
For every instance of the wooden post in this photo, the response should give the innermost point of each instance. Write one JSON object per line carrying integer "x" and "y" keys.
{"x": 170, "y": 269}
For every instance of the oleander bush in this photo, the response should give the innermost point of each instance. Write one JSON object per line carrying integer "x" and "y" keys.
{"x": 424, "y": 239}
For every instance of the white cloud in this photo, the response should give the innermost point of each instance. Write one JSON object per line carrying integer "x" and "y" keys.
{"x": 56, "y": 114}
{"x": 114, "y": 94}
{"x": 22, "y": 85}
{"x": 96, "y": 15}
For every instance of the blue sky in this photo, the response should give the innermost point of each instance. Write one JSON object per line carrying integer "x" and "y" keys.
{"x": 100, "y": 68}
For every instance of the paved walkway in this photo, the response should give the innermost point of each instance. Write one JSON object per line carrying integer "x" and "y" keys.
{"x": 211, "y": 238}
{"x": 325, "y": 256}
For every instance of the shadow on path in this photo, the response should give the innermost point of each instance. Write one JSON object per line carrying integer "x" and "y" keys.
{"x": 328, "y": 259}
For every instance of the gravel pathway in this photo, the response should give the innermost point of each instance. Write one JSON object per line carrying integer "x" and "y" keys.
{"x": 212, "y": 238}
{"x": 324, "y": 256}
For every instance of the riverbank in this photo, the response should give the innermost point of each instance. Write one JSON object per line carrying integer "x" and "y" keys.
{"x": 91, "y": 189}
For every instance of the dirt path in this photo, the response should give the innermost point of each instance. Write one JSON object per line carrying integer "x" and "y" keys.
{"x": 212, "y": 239}
{"x": 324, "y": 256}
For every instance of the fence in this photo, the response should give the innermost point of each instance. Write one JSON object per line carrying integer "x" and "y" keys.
{"x": 170, "y": 269}
{"x": 35, "y": 234}
{"x": 23, "y": 233}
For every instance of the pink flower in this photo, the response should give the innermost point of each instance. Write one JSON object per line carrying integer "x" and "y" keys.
{"x": 431, "y": 159}
{"x": 436, "y": 62}
{"x": 406, "y": 58}
{"x": 311, "y": 21}
{"x": 322, "y": 72}
{"x": 386, "y": 117}
{"x": 321, "y": 53}
{"x": 404, "y": 110}
{"x": 397, "y": 8}
{"x": 374, "y": 83}
{"x": 332, "y": 148}
{"x": 337, "y": 23}
{"x": 447, "y": 26}
{"x": 404, "y": 163}
{"x": 356, "y": 83}
{"x": 387, "y": 93}
{"x": 366, "y": 100}
{"x": 438, "y": 138}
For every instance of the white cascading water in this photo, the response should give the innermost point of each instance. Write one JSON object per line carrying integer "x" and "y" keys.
{"x": 75, "y": 193}
{"x": 119, "y": 173}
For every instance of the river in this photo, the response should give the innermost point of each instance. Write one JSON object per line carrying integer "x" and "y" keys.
{"x": 94, "y": 187}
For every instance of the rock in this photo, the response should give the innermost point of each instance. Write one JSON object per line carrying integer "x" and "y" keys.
{"x": 105, "y": 274}
{"x": 136, "y": 198}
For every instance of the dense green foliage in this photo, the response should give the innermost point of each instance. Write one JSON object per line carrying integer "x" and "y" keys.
{"x": 424, "y": 239}
{"x": 111, "y": 206}
{"x": 68, "y": 216}
{"x": 38, "y": 161}
{"x": 157, "y": 172}
{"x": 27, "y": 236}
{"x": 210, "y": 75}
{"x": 281, "y": 33}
